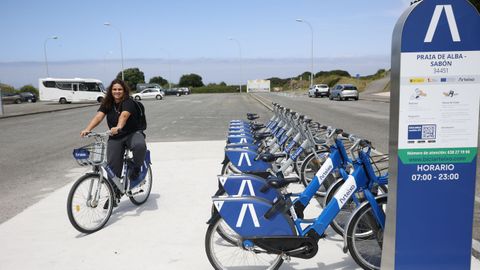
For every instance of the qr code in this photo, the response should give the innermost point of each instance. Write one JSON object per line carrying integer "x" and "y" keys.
{"x": 428, "y": 132}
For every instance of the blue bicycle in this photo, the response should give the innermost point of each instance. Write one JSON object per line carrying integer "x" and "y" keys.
{"x": 263, "y": 233}
{"x": 92, "y": 197}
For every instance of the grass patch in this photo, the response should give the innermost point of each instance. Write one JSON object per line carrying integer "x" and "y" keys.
{"x": 215, "y": 89}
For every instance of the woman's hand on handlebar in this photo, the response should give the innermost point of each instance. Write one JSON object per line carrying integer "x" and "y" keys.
{"x": 115, "y": 130}
{"x": 84, "y": 132}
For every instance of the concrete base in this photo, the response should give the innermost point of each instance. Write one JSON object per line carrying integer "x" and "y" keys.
{"x": 167, "y": 232}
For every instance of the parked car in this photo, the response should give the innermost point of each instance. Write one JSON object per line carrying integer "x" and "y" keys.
{"x": 149, "y": 93}
{"x": 28, "y": 97}
{"x": 174, "y": 91}
{"x": 143, "y": 86}
{"x": 185, "y": 90}
{"x": 344, "y": 91}
{"x": 319, "y": 90}
{"x": 9, "y": 98}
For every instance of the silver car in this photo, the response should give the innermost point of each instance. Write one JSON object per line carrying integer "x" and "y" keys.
{"x": 318, "y": 90}
{"x": 343, "y": 92}
{"x": 149, "y": 93}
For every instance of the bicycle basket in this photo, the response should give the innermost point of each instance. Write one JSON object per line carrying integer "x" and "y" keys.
{"x": 380, "y": 164}
{"x": 92, "y": 154}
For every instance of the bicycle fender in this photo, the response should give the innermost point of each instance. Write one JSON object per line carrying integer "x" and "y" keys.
{"x": 244, "y": 160}
{"x": 213, "y": 217}
{"x": 252, "y": 147}
{"x": 147, "y": 157}
{"x": 246, "y": 216}
{"x": 247, "y": 185}
{"x": 240, "y": 139}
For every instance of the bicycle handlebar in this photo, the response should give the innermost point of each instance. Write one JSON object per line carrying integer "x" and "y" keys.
{"x": 98, "y": 134}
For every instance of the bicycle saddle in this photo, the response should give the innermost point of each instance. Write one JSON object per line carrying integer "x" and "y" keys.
{"x": 269, "y": 157}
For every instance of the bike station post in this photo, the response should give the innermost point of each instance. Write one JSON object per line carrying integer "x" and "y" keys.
{"x": 434, "y": 112}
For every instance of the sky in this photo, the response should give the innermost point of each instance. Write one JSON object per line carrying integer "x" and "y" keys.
{"x": 176, "y": 37}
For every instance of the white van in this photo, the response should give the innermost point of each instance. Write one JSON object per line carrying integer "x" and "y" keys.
{"x": 71, "y": 90}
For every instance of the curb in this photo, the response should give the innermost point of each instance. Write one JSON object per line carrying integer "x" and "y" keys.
{"x": 47, "y": 111}
{"x": 257, "y": 98}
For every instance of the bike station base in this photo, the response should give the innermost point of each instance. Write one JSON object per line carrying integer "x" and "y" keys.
{"x": 167, "y": 232}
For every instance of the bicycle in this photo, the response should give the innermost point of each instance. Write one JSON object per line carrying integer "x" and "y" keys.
{"x": 92, "y": 197}
{"x": 266, "y": 233}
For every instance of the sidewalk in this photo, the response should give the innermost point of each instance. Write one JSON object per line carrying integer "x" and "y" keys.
{"x": 26, "y": 108}
{"x": 167, "y": 232}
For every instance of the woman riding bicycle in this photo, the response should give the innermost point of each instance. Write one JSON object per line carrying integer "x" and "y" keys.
{"x": 123, "y": 119}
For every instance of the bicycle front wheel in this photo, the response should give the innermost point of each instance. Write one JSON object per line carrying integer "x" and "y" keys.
{"x": 228, "y": 254}
{"x": 140, "y": 193}
{"x": 365, "y": 236}
{"x": 310, "y": 167}
{"x": 90, "y": 203}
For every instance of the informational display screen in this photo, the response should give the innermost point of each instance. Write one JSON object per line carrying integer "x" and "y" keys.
{"x": 439, "y": 102}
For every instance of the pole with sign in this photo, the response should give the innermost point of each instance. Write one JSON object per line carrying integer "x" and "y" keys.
{"x": 434, "y": 110}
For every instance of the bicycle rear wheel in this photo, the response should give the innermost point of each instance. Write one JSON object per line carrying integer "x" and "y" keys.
{"x": 224, "y": 254}
{"x": 365, "y": 236}
{"x": 85, "y": 213}
{"x": 140, "y": 193}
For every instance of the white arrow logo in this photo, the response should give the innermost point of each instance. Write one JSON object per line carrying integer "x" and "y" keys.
{"x": 252, "y": 213}
{"x": 452, "y": 24}
{"x": 244, "y": 156}
{"x": 243, "y": 140}
{"x": 247, "y": 183}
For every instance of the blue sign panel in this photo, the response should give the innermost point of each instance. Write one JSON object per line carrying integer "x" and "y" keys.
{"x": 437, "y": 135}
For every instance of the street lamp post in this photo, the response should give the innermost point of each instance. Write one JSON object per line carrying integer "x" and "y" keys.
{"x": 311, "y": 31}
{"x": 169, "y": 67}
{"x": 240, "y": 53}
{"x": 121, "y": 43}
{"x": 45, "y": 52}
{"x": 105, "y": 61}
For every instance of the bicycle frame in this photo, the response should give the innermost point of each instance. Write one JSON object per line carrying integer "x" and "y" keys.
{"x": 361, "y": 180}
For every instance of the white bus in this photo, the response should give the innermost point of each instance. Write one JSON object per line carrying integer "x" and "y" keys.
{"x": 70, "y": 90}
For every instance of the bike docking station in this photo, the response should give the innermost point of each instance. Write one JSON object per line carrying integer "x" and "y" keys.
{"x": 434, "y": 111}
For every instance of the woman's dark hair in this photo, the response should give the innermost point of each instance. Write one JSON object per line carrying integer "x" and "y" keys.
{"x": 108, "y": 100}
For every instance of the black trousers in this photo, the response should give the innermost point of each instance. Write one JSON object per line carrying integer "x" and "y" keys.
{"x": 116, "y": 150}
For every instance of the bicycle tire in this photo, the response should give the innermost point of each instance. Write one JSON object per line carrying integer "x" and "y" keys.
{"x": 77, "y": 210}
{"x": 238, "y": 254}
{"x": 360, "y": 234}
{"x": 308, "y": 170}
{"x": 143, "y": 189}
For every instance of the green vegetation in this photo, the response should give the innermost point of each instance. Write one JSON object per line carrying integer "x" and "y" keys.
{"x": 190, "y": 80}
{"x": 132, "y": 76}
{"x": 7, "y": 88}
{"x": 10, "y": 89}
{"x": 301, "y": 83}
{"x": 332, "y": 72}
{"x": 29, "y": 88}
{"x": 160, "y": 80}
{"x": 216, "y": 88}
